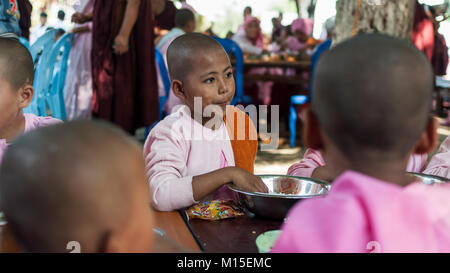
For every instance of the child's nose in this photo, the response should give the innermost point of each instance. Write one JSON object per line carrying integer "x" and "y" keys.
{"x": 223, "y": 88}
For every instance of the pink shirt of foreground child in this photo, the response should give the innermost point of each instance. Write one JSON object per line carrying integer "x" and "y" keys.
{"x": 313, "y": 159}
{"x": 363, "y": 214}
{"x": 31, "y": 122}
{"x": 173, "y": 156}
{"x": 440, "y": 163}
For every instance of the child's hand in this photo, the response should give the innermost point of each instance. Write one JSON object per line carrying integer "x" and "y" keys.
{"x": 247, "y": 181}
{"x": 79, "y": 18}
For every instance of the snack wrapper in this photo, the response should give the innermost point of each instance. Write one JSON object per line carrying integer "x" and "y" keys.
{"x": 215, "y": 210}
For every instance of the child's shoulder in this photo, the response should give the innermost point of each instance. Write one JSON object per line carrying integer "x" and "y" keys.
{"x": 173, "y": 126}
{"x": 32, "y": 121}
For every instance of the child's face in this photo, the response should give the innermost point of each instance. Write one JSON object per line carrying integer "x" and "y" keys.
{"x": 301, "y": 36}
{"x": 252, "y": 30}
{"x": 191, "y": 26}
{"x": 9, "y": 103}
{"x": 211, "y": 79}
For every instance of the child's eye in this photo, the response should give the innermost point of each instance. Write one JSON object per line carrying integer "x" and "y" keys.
{"x": 209, "y": 80}
{"x": 229, "y": 75}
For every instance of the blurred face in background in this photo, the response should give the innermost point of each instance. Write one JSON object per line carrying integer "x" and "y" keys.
{"x": 43, "y": 20}
{"x": 247, "y": 11}
{"x": 252, "y": 30}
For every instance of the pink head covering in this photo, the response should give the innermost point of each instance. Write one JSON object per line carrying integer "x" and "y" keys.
{"x": 304, "y": 25}
{"x": 260, "y": 39}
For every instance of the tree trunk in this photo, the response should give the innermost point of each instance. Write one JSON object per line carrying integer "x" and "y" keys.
{"x": 392, "y": 17}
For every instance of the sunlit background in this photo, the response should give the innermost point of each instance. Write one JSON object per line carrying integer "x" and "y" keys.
{"x": 226, "y": 15}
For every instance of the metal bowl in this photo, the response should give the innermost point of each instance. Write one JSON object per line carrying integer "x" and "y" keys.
{"x": 429, "y": 179}
{"x": 284, "y": 192}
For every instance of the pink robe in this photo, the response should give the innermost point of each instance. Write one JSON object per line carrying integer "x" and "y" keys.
{"x": 177, "y": 149}
{"x": 31, "y": 122}
{"x": 78, "y": 87}
{"x": 313, "y": 159}
{"x": 363, "y": 214}
{"x": 440, "y": 163}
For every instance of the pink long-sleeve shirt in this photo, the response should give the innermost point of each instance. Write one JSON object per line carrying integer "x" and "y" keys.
{"x": 176, "y": 150}
{"x": 363, "y": 214}
{"x": 313, "y": 159}
{"x": 31, "y": 122}
{"x": 440, "y": 162}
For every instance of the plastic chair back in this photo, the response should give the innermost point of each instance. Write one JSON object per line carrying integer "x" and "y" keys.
{"x": 165, "y": 79}
{"x": 25, "y": 42}
{"x": 43, "y": 45}
{"x": 55, "y": 97}
{"x": 50, "y": 78}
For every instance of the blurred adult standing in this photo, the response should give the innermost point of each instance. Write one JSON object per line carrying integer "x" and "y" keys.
{"x": 25, "y": 9}
{"x": 78, "y": 87}
{"x": 123, "y": 62}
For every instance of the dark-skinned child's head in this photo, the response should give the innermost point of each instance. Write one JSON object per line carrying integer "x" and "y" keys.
{"x": 371, "y": 104}
{"x": 81, "y": 181}
{"x": 185, "y": 20}
{"x": 200, "y": 67}
{"x": 16, "y": 81}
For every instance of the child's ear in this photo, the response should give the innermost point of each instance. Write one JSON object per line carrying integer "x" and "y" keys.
{"x": 428, "y": 139}
{"x": 311, "y": 130}
{"x": 178, "y": 90}
{"x": 25, "y": 95}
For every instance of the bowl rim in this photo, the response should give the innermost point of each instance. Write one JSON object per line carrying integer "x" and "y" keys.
{"x": 430, "y": 176}
{"x": 268, "y": 195}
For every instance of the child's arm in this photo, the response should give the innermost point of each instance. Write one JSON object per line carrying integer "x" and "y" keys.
{"x": 166, "y": 153}
{"x": 82, "y": 29}
{"x": 312, "y": 165}
{"x": 131, "y": 14}
{"x": 311, "y": 160}
{"x": 203, "y": 185}
{"x": 440, "y": 163}
{"x": 80, "y": 18}
{"x": 417, "y": 163}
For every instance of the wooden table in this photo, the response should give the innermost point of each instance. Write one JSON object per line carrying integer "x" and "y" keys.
{"x": 175, "y": 227}
{"x": 225, "y": 236}
{"x": 170, "y": 222}
{"x": 237, "y": 235}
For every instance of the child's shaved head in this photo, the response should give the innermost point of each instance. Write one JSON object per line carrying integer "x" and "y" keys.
{"x": 372, "y": 96}
{"x": 80, "y": 181}
{"x": 184, "y": 50}
{"x": 16, "y": 63}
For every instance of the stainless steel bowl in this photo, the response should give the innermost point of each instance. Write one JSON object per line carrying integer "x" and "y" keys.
{"x": 429, "y": 179}
{"x": 284, "y": 192}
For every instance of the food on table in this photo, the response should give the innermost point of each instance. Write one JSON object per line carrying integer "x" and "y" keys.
{"x": 215, "y": 210}
{"x": 286, "y": 185}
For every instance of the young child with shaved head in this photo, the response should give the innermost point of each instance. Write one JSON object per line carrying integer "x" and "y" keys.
{"x": 16, "y": 93}
{"x": 191, "y": 155}
{"x": 373, "y": 204}
{"x": 81, "y": 181}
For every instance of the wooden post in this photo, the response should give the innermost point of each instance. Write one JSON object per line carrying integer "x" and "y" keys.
{"x": 392, "y": 17}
